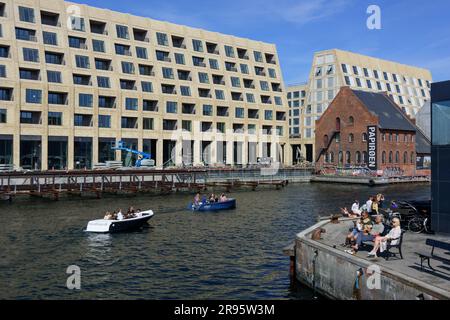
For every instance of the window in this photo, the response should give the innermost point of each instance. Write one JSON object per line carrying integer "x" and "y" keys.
{"x": 147, "y": 123}
{"x": 350, "y": 138}
{"x": 25, "y": 34}
{"x": 162, "y": 39}
{"x": 85, "y": 100}
{"x": 162, "y": 56}
{"x": 31, "y": 55}
{"x": 141, "y": 53}
{"x": 2, "y": 71}
{"x": 179, "y": 58}
{"x": 229, "y": 51}
{"x": 82, "y": 62}
{"x": 358, "y": 82}
{"x": 104, "y": 121}
{"x": 198, "y": 62}
{"x": 347, "y": 80}
{"x": 54, "y": 76}
{"x": 29, "y": 74}
{"x": 244, "y": 68}
{"x": 33, "y": 96}
{"x": 214, "y": 64}
{"x": 54, "y": 57}
{"x": 264, "y": 85}
{"x": 258, "y": 56}
{"x": 250, "y": 97}
{"x": 220, "y": 94}
{"x": 220, "y": 127}
{"x": 3, "y": 116}
{"x": 98, "y": 45}
{"x": 236, "y": 82}
{"x": 364, "y": 137}
{"x": 278, "y": 101}
{"x": 106, "y": 102}
{"x": 351, "y": 121}
{"x": 77, "y": 23}
{"x": 57, "y": 98}
{"x": 344, "y": 68}
{"x": 185, "y": 91}
{"x": 239, "y": 112}
{"x": 54, "y": 118}
{"x": 4, "y": 52}
{"x": 207, "y": 110}
{"x": 167, "y": 73}
{"x": 103, "y": 82}
{"x": 50, "y": 38}
{"x": 268, "y": 115}
{"x": 355, "y": 70}
{"x": 122, "y": 32}
{"x": 171, "y": 107}
{"x": 390, "y": 157}
{"x": 197, "y": 45}
{"x": 150, "y": 105}
{"x": 203, "y": 77}
{"x": 369, "y": 84}
{"x": 146, "y": 70}
{"x": 186, "y": 125}
{"x": 102, "y": 64}
{"x": 131, "y": 104}
{"x": 26, "y": 14}
{"x": 122, "y": 49}
{"x": 75, "y": 42}
{"x": 272, "y": 73}
{"x": 146, "y": 86}
{"x": 127, "y": 67}
{"x": 6, "y": 94}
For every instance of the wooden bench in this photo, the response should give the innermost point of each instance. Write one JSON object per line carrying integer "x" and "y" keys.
{"x": 427, "y": 256}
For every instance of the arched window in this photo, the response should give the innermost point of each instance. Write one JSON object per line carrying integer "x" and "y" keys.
{"x": 364, "y": 157}
{"x": 341, "y": 160}
{"x": 364, "y": 137}
{"x": 338, "y": 124}
{"x": 390, "y": 157}
{"x": 348, "y": 157}
{"x": 325, "y": 141}
{"x": 383, "y": 157}
{"x": 412, "y": 158}
{"x": 405, "y": 138}
{"x": 331, "y": 157}
{"x": 405, "y": 157}
{"x": 350, "y": 137}
{"x": 351, "y": 121}
{"x": 358, "y": 157}
{"x": 397, "y": 157}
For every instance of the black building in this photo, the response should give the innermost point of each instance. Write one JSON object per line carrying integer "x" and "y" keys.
{"x": 440, "y": 151}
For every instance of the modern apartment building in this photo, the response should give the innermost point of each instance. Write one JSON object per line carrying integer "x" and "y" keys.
{"x": 296, "y": 95}
{"x": 76, "y": 79}
{"x": 408, "y": 86}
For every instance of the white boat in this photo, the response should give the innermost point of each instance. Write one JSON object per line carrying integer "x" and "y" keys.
{"x": 105, "y": 226}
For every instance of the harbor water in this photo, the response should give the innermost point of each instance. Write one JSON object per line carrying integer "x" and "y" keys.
{"x": 233, "y": 254}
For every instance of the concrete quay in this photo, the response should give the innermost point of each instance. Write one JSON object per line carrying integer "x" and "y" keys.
{"x": 325, "y": 266}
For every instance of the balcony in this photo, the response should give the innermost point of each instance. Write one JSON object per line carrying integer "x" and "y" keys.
{"x": 212, "y": 48}
{"x": 129, "y": 123}
{"x": 168, "y": 89}
{"x": 128, "y": 84}
{"x": 222, "y": 111}
{"x": 98, "y": 27}
{"x": 253, "y": 114}
{"x": 50, "y": 19}
{"x": 30, "y": 74}
{"x": 270, "y": 58}
{"x": 83, "y": 120}
{"x": 170, "y": 125}
{"x": 140, "y": 35}
{"x": 30, "y": 117}
{"x": 188, "y": 108}
{"x": 242, "y": 54}
{"x": 204, "y": 93}
{"x": 178, "y": 42}
{"x": 150, "y": 105}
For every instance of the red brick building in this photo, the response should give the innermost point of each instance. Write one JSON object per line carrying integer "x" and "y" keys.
{"x": 368, "y": 129}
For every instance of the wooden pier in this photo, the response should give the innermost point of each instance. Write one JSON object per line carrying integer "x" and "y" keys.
{"x": 95, "y": 183}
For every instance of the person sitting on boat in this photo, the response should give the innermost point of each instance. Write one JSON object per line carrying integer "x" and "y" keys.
{"x": 120, "y": 215}
{"x": 108, "y": 216}
{"x": 138, "y": 213}
{"x": 223, "y": 198}
{"x": 212, "y": 198}
{"x": 197, "y": 199}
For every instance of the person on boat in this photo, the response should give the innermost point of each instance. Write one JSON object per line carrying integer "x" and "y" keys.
{"x": 197, "y": 199}
{"x": 114, "y": 215}
{"x": 108, "y": 216}
{"x": 223, "y": 197}
{"x": 120, "y": 215}
{"x": 212, "y": 198}
{"x": 138, "y": 213}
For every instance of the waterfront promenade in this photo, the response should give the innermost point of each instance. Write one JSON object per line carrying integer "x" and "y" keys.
{"x": 325, "y": 265}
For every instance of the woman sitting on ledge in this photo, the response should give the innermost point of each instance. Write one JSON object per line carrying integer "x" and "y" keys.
{"x": 393, "y": 236}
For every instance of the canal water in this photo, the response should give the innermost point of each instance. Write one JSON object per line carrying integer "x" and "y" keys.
{"x": 181, "y": 255}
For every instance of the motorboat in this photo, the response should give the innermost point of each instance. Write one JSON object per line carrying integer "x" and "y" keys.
{"x": 213, "y": 206}
{"x": 105, "y": 225}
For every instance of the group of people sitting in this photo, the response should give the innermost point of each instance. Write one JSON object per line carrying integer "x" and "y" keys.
{"x": 370, "y": 226}
{"x": 211, "y": 199}
{"x": 131, "y": 213}
{"x": 372, "y": 206}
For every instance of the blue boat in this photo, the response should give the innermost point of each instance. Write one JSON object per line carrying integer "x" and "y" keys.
{"x": 214, "y": 206}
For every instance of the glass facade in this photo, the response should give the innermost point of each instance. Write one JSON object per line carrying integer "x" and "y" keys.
{"x": 105, "y": 151}
{"x": 82, "y": 153}
{"x": 57, "y": 153}
{"x": 6, "y": 149}
{"x": 30, "y": 152}
{"x": 441, "y": 121}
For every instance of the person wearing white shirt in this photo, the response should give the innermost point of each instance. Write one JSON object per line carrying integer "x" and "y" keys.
{"x": 120, "y": 215}
{"x": 369, "y": 205}
{"x": 355, "y": 208}
{"x": 393, "y": 236}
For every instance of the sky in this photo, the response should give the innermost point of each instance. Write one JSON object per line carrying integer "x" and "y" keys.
{"x": 413, "y": 32}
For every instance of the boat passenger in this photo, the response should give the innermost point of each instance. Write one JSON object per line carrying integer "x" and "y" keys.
{"x": 120, "y": 215}
{"x": 108, "y": 216}
{"x": 197, "y": 199}
{"x": 212, "y": 198}
{"x": 223, "y": 197}
{"x": 138, "y": 213}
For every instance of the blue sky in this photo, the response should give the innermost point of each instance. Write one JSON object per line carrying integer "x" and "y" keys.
{"x": 414, "y": 32}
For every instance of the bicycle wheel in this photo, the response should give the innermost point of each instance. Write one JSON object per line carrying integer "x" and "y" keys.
{"x": 416, "y": 225}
